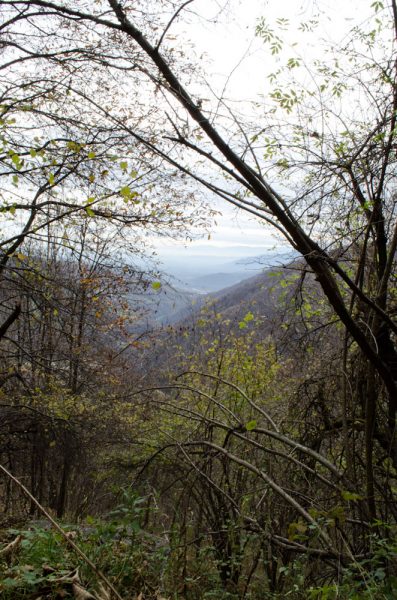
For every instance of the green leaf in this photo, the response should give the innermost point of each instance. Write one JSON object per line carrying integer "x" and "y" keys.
{"x": 292, "y": 63}
{"x": 91, "y": 154}
{"x": 89, "y": 211}
{"x": 74, "y": 146}
{"x": 377, "y": 6}
{"x": 156, "y": 285}
{"x": 51, "y": 179}
{"x": 248, "y": 317}
{"x": 283, "y": 163}
{"x": 346, "y": 495}
{"x": 8, "y": 582}
{"x": 127, "y": 194}
{"x": 125, "y": 191}
{"x": 15, "y": 159}
{"x": 124, "y": 165}
{"x": 250, "y": 425}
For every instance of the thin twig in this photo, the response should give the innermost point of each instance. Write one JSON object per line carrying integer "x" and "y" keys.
{"x": 170, "y": 23}
{"x": 63, "y": 533}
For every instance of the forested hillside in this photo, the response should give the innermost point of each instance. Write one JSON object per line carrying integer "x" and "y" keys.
{"x": 158, "y": 445}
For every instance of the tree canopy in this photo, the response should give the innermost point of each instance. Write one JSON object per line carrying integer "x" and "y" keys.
{"x": 105, "y": 119}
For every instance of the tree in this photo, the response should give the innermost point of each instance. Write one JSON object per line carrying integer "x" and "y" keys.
{"x": 72, "y": 182}
{"x": 62, "y": 162}
{"x": 336, "y": 204}
{"x": 248, "y": 460}
{"x": 356, "y": 164}
{"x": 63, "y": 362}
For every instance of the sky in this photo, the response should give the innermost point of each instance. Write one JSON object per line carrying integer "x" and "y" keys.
{"x": 234, "y": 236}
{"x": 224, "y": 32}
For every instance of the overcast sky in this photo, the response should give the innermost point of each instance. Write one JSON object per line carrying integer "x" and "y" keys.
{"x": 224, "y": 32}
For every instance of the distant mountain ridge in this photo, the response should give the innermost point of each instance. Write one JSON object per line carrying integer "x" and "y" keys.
{"x": 216, "y": 281}
{"x": 235, "y": 293}
{"x": 260, "y": 297}
{"x": 212, "y": 273}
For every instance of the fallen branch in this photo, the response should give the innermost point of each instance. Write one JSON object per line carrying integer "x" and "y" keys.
{"x": 80, "y": 593}
{"x": 63, "y": 533}
{"x": 11, "y": 547}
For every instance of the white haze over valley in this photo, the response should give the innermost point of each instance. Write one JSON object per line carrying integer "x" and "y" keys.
{"x": 236, "y": 247}
{"x": 239, "y": 64}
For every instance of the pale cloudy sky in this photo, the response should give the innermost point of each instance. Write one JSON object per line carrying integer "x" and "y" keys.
{"x": 224, "y": 32}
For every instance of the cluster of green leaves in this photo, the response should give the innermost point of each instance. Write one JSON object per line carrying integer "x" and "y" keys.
{"x": 115, "y": 544}
{"x": 129, "y": 558}
{"x": 373, "y": 578}
{"x": 136, "y": 561}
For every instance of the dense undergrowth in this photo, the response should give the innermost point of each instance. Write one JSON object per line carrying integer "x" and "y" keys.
{"x": 160, "y": 566}
{"x": 230, "y": 495}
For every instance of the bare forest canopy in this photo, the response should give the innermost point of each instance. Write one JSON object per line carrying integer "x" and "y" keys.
{"x": 249, "y": 449}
